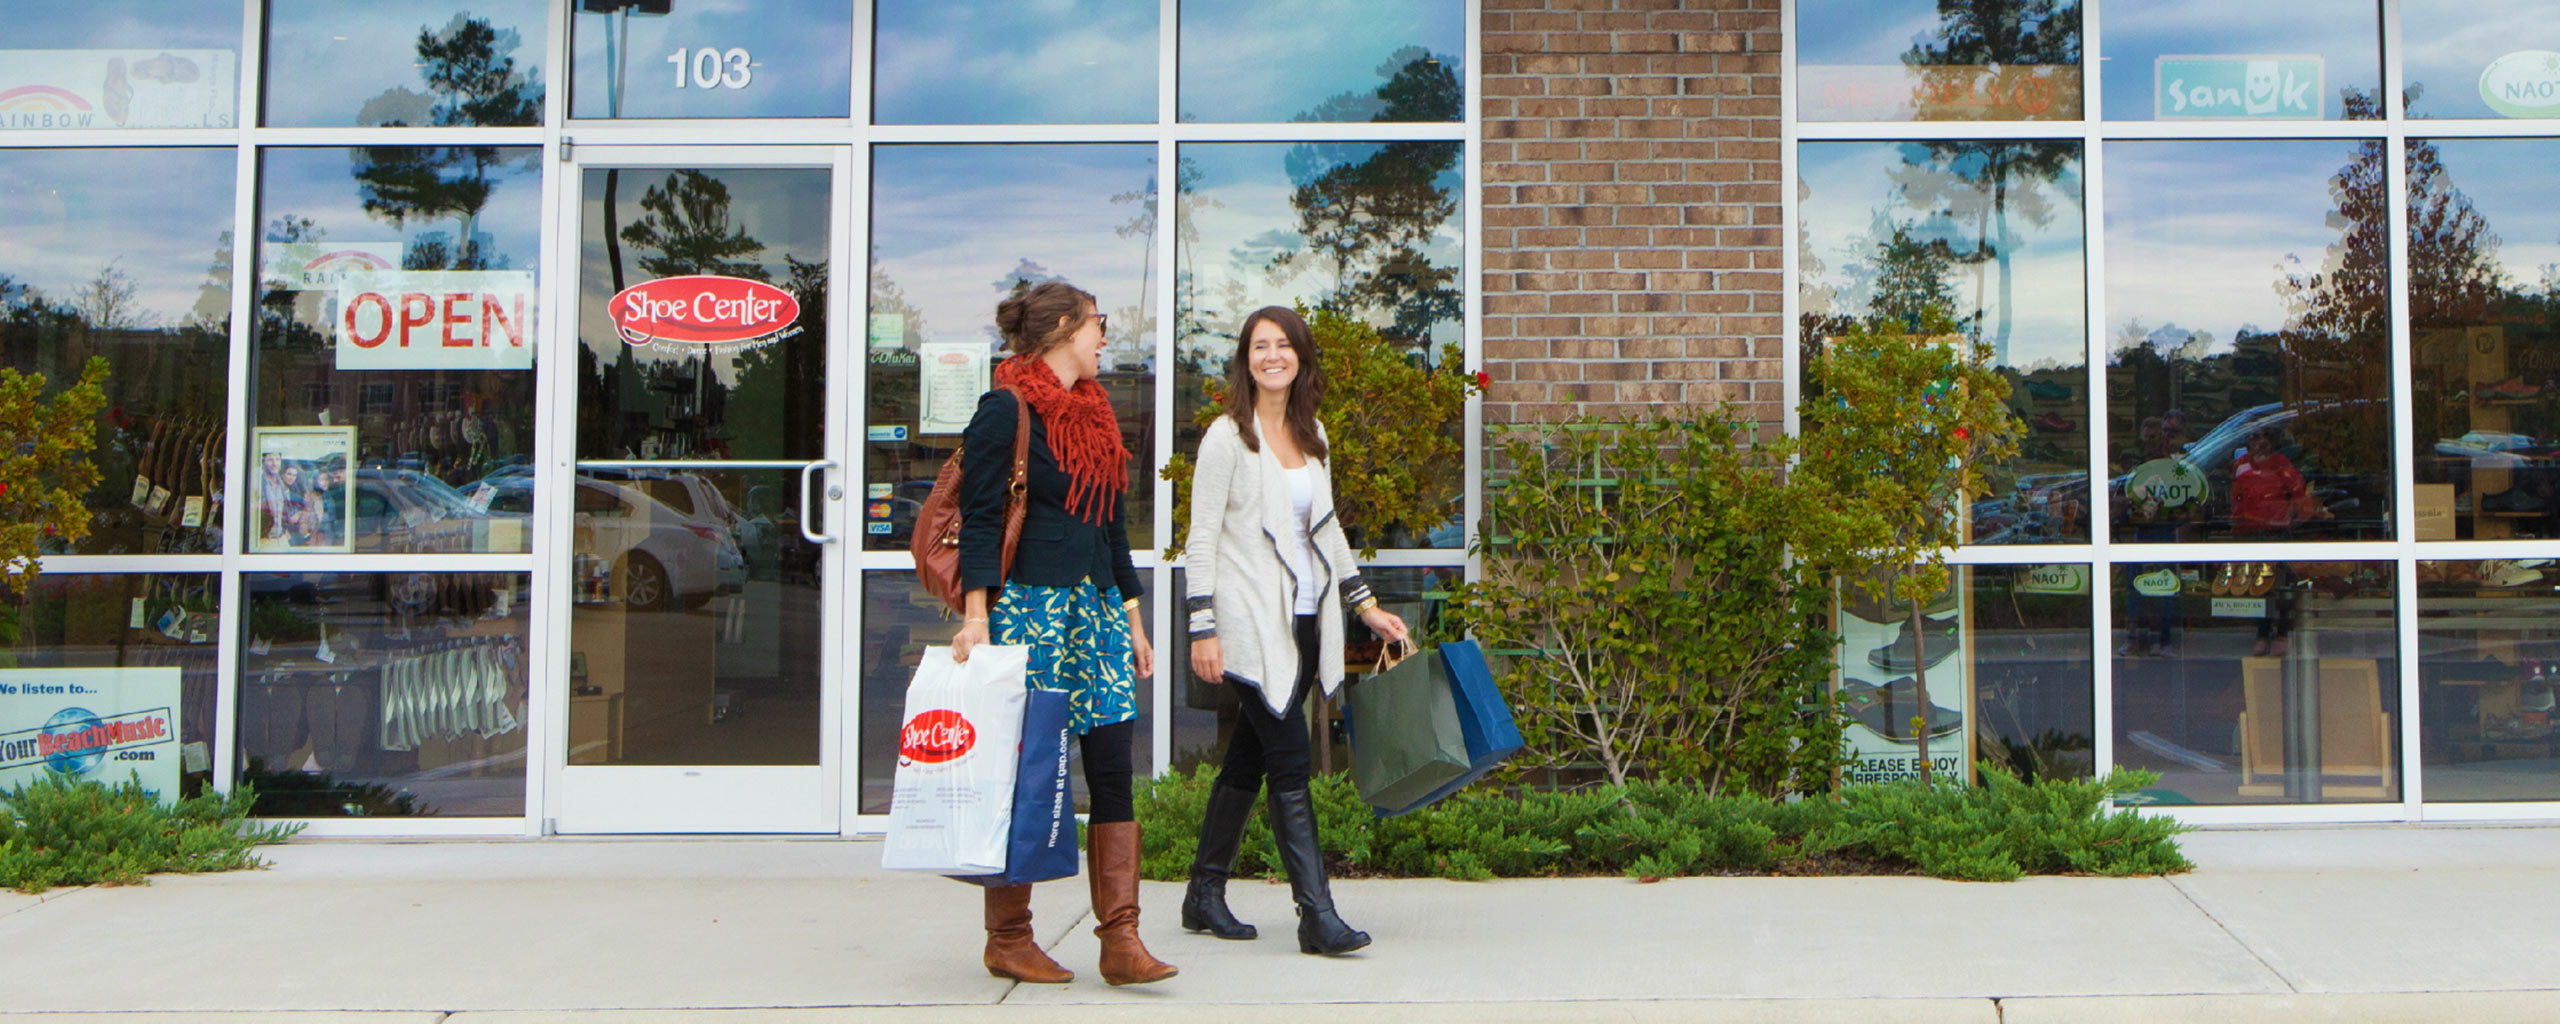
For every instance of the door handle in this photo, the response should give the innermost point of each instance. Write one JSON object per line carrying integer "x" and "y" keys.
{"x": 807, "y": 487}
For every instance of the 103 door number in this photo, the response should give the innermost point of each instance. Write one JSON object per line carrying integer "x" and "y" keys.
{"x": 713, "y": 68}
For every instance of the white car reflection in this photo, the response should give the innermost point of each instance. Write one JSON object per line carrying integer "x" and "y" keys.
{"x": 663, "y": 560}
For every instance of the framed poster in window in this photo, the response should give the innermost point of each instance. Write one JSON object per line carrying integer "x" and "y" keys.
{"x": 302, "y": 490}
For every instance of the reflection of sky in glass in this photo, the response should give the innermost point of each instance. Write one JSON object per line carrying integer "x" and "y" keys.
{"x": 2446, "y": 44}
{"x": 2346, "y": 34}
{"x": 319, "y": 184}
{"x": 797, "y": 56}
{"x": 1246, "y": 60}
{"x": 1851, "y": 203}
{"x": 953, "y": 226}
{"x": 332, "y": 63}
{"x": 1014, "y": 62}
{"x": 784, "y": 208}
{"x": 1862, "y": 31}
{"x": 2196, "y": 230}
{"x": 1239, "y": 206}
{"x": 2509, "y": 182}
{"x": 158, "y": 215}
{"x": 43, "y": 25}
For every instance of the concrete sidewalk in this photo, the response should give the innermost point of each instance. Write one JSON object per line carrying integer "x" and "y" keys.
{"x": 2384, "y": 923}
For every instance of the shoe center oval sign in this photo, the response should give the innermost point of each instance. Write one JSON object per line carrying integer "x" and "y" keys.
{"x": 705, "y": 310}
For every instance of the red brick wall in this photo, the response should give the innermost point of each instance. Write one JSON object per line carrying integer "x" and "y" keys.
{"x": 1631, "y": 206}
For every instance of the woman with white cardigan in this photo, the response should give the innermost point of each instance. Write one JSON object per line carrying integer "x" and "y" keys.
{"x": 1266, "y": 559}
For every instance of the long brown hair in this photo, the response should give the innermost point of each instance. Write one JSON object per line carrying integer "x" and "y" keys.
{"x": 1029, "y": 317}
{"x": 1304, "y": 392}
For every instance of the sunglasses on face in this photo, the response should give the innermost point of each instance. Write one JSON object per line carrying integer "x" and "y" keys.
{"x": 1103, "y": 321}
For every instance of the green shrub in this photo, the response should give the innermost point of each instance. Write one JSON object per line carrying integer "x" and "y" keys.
{"x": 1997, "y": 831}
{"x": 57, "y": 832}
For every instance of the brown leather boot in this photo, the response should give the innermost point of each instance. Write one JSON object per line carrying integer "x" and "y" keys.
{"x": 1112, "y": 865}
{"x": 1011, "y": 953}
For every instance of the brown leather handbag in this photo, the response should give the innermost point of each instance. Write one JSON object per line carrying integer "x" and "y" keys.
{"x": 936, "y": 541}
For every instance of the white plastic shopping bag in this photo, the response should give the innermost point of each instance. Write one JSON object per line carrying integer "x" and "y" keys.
{"x": 952, "y": 805}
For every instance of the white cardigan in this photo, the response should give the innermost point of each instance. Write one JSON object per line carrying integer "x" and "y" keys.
{"x": 1239, "y": 589}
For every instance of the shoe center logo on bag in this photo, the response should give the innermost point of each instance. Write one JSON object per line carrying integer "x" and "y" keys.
{"x": 935, "y": 737}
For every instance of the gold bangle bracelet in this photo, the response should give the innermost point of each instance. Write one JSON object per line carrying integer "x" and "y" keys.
{"x": 1129, "y": 605}
{"x": 1365, "y": 604}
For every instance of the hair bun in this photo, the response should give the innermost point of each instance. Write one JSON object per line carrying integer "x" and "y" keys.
{"x": 1010, "y": 314}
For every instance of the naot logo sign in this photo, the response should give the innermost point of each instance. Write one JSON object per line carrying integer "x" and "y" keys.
{"x": 2525, "y": 83}
{"x": 936, "y": 736}
{"x": 703, "y": 309}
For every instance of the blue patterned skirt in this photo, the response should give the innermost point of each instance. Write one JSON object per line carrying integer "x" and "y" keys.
{"x": 1079, "y": 640}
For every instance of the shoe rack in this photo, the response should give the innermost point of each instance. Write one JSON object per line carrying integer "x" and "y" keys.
{"x": 2486, "y": 367}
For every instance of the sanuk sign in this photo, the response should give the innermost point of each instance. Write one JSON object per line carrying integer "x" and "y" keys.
{"x": 703, "y": 310}
{"x": 2525, "y": 83}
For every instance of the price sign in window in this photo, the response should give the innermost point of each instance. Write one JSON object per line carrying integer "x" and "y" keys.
{"x": 659, "y": 59}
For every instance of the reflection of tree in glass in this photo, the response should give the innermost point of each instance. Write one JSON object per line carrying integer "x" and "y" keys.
{"x": 472, "y": 80}
{"x": 2339, "y": 320}
{"x": 1985, "y": 181}
{"x": 1911, "y": 280}
{"x": 686, "y": 219}
{"x": 1419, "y": 86}
{"x": 2001, "y": 32}
{"x": 779, "y": 389}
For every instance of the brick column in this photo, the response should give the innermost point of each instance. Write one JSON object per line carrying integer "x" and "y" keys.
{"x": 1631, "y": 207}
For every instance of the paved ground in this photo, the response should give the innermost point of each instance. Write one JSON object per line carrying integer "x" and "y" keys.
{"x": 2315, "y": 924}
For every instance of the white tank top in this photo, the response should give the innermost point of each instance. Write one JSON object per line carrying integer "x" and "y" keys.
{"x": 1302, "y": 555}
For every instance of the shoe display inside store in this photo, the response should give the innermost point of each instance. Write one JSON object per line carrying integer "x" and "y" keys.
{"x": 2511, "y": 574}
{"x": 1897, "y": 656}
{"x": 1888, "y": 709}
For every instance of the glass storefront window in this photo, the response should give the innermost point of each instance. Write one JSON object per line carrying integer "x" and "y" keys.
{"x": 2485, "y": 388}
{"x": 385, "y": 694}
{"x": 2199, "y": 60}
{"x": 394, "y": 363}
{"x": 1914, "y": 60}
{"x": 760, "y": 398}
{"x": 142, "y": 642}
{"x": 657, "y": 58}
{"x": 1001, "y": 62}
{"x": 1324, "y": 61}
{"x": 120, "y": 64}
{"x": 2464, "y": 58}
{"x": 696, "y": 613}
{"x": 2248, "y": 375}
{"x": 2489, "y": 633}
{"x": 955, "y": 229}
{"x": 125, "y": 254}
{"x": 1988, "y": 232}
{"x": 1373, "y": 229}
{"x": 2005, "y": 658}
{"x": 2258, "y": 682}
{"x": 899, "y": 620}
{"x": 412, "y": 65}
{"x": 1204, "y": 712}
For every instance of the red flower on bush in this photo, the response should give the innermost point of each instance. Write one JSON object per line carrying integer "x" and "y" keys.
{"x": 1484, "y": 380}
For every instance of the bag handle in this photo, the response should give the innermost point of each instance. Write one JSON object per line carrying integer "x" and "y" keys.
{"x": 1394, "y": 653}
{"x": 1018, "y": 489}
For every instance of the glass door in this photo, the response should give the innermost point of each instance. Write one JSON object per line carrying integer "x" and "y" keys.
{"x": 703, "y": 584}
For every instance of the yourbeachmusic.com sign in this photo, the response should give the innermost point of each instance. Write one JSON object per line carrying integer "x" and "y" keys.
{"x": 107, "y": 725}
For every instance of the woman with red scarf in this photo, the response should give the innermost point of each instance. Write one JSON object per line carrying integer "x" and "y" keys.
{"x": 1072, "y": 597}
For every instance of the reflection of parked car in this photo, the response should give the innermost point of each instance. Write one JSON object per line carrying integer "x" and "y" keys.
{"x": 412, "y": 511}
{"x": 663, "y": 560}
{"x": 2355, "y": 500}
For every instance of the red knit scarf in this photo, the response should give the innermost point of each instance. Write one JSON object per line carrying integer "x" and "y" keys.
{"x": 1083, "y": 432}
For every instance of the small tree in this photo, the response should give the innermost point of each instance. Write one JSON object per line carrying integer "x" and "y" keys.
{"x": 1899, "y": 424}
{"x": 1398, "y": 466}
{"x": 1646, "y": 616}
{"x": 44, "y": 465}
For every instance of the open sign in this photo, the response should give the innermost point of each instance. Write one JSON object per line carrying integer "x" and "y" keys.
{"x": 436, "y": 320}
{"x": 702, "y": 309}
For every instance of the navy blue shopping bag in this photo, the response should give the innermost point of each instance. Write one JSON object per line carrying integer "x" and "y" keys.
{"x": 1483, "y": 719}
{"x": 1041, "y": 842}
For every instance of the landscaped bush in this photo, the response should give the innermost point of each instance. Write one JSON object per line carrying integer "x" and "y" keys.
{"x": 1997, "y": 831}
{"x": 56, "y": 832}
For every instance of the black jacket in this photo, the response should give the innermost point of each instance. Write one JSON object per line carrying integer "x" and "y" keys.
{"x": 1057, "y": 549}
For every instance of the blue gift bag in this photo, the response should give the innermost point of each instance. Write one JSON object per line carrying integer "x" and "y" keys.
{"x": 1041, "y": 841}
{"x": 1483, "y": 719}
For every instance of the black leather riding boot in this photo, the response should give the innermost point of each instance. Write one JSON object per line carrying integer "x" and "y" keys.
{"x": 1320, "y": 930}
{"x": 1204, "y": 904}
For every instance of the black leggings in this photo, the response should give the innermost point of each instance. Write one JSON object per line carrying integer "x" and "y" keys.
{"x": 1109, "y": 751}
{"x": 1272, "y": 749}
